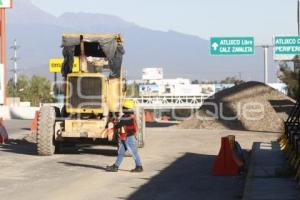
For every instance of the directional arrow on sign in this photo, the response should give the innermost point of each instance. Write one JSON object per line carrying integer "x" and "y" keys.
{"x": 215, "y": 46}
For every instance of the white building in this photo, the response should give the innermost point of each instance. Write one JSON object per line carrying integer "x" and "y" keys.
{"x": 154, "y": 84}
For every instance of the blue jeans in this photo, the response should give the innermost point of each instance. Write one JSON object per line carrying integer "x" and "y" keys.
{"x": 131, "y": 147}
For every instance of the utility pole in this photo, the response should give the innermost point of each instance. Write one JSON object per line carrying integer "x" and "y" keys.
{"x": 266, "y": 63}
{"x": 240, "y": 75}
{"x": 15, "y": 47}
{"x": 266, "y": 50}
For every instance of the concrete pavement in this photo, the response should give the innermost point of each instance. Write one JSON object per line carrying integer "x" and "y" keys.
{"x": 177, "y": 163}
{"x": 265, "y": 180}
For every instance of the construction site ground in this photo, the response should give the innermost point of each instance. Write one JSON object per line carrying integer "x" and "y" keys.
{"x": 177, "y": 163}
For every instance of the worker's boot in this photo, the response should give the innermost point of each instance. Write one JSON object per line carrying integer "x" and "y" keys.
{"x": 138, "y": 169}
{"x": 112, "y": 168}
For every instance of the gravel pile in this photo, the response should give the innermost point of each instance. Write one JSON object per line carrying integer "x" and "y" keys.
{"x": 249, "y": 106}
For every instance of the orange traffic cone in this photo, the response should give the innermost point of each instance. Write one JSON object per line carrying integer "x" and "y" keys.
{"x": 3, "y": 132}
{"x": 225, "y": 164}
{"x": 34, "y": 123}
{"x": 149, "y": 116}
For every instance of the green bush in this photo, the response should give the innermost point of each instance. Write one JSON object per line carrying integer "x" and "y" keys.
{"x": 36, "y": 89}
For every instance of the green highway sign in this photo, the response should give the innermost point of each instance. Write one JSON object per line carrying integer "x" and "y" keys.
{"x": 232, "y": 46}
{"x": 287, "y": 45}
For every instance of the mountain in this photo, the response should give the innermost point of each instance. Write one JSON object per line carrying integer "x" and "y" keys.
{"x": 39, "y": 35}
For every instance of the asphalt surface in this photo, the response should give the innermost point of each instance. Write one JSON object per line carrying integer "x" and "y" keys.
{"x": 177, "y": 163}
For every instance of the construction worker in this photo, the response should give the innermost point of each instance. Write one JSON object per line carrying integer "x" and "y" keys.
{"x": 127, "y": 138}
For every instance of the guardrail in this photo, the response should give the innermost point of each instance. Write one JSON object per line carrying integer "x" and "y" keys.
{"x": 170, "y": 101}
{"x": 159, "y": 102}
{"x": 18, "y": 112}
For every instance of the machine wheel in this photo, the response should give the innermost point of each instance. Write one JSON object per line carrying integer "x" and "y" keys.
{"x": 45, "y": 132}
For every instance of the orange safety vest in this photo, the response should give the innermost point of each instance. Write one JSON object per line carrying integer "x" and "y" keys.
{"x": 129, "y": 128}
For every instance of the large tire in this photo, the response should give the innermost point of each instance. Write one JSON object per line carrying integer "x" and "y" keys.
{"x": 45, "y": 132}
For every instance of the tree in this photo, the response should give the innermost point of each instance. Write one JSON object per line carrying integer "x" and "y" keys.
{"x": 208, "y": 82}
{"x": 195, "y": 82}
{"x": 231, "y": 80}
{"x": 132, "y": 90}
{"x": 290, "y": 78}
{"x": 21, "y": 89}
{"x": 40, "y": 90}
{"x": 35, "y": 90}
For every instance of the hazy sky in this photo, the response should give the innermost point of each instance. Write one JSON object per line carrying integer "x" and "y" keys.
{"x": 204, "y": 18}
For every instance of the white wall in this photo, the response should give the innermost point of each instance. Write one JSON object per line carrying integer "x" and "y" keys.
{"x": 18, "y": 112}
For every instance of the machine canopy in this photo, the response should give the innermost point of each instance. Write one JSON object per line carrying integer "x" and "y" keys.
{"x": 107, "y": 46}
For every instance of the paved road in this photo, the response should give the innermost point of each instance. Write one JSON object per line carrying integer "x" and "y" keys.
{"x": 177, "y": 166}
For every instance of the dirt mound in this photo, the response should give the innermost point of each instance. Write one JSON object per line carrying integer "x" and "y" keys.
{"x": 250, "y": 106}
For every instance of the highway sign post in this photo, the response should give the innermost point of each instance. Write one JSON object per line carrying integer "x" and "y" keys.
{"x": 232, "y": 46}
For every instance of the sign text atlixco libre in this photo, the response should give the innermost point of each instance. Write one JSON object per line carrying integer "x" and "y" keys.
{"x": 232, "y": 46}
{"x": 287, "y": 45}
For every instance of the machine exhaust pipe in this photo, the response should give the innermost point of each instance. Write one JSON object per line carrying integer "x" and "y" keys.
{"x": 82, "y": 57}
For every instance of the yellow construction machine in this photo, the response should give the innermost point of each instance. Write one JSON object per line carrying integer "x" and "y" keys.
{"x": 94, "y": 94}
